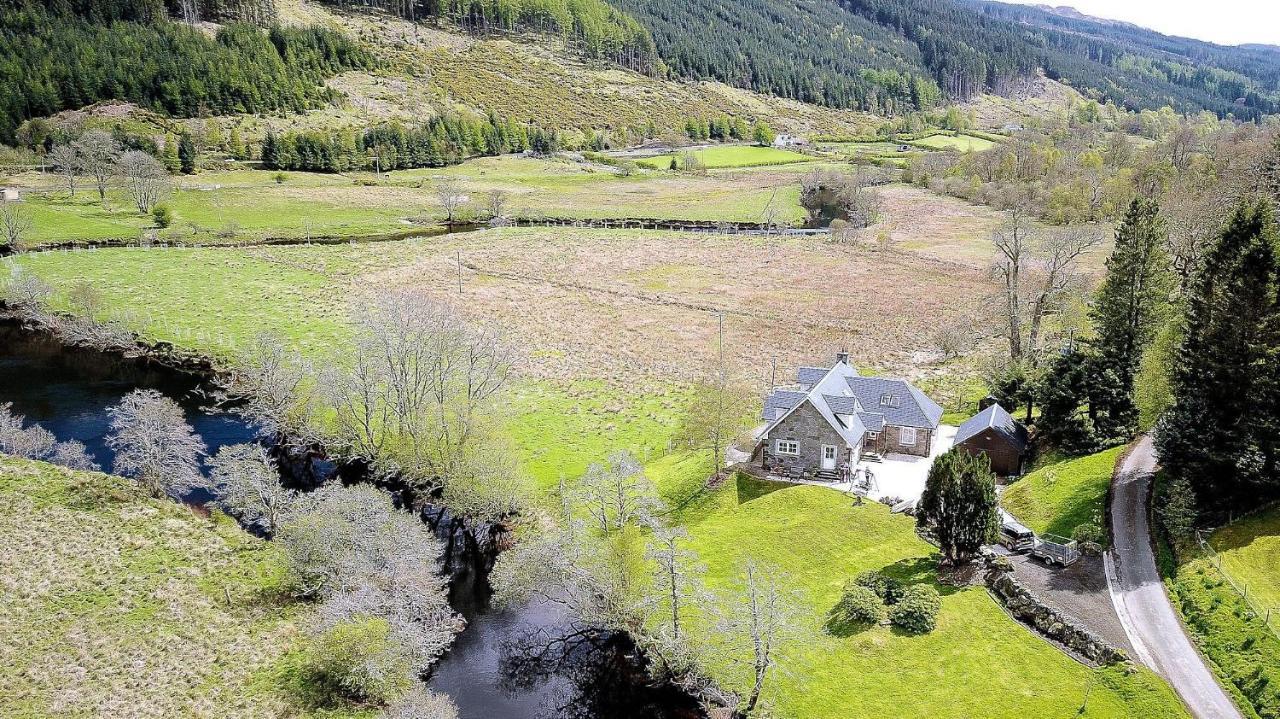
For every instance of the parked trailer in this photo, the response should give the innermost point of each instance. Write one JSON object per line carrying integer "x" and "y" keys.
{"x": 1052, "y": 549}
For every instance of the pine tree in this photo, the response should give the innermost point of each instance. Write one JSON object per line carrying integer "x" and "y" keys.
{"x": 1128, "y": 311}
{"x": 1223, "y": 433}
{"x": 1063, "y": 395}
{"x": 270, "y": 152}
{"x": 187, "y": 154}
{"x": 170, "y": 155}
{"x": 959, "y": 504}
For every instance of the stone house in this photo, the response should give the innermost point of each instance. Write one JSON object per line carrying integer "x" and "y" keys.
{"x": 832, "y": 417}
{"x": 995, "y": 433}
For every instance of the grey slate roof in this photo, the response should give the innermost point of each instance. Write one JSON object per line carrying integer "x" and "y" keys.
{"x": 874, "y": 421}
{"x": 994, "y": 417}
{"x": 908, "y": 406}
{"x": 841, "y": 404}
{"x": 809, "y": 376}
{"x": 780, "y": 399}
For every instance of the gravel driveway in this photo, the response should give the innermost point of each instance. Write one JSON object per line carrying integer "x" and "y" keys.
{"x": 1154, "y": 630}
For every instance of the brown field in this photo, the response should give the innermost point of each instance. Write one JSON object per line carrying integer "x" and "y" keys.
{"x": 621, "y": 305}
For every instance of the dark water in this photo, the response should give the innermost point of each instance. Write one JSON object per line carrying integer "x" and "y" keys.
{"x": 525, "y": 663}
{"x": 68, "y": 391}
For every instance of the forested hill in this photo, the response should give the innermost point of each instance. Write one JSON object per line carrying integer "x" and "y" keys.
{"x": 890, "y": 55}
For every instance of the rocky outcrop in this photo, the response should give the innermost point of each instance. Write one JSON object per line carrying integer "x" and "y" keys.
{"x": 1051, "y": 623}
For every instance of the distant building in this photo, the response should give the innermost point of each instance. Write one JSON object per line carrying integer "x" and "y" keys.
{"x": 789, "y": 141}
{"x": 996, "y": 434}
{"x": 10, "y": 194}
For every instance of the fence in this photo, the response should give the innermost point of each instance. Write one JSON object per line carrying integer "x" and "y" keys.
{"x": 1270, "y": 616}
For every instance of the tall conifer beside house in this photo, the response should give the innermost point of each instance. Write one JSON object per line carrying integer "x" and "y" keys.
{"x": 1223, "y": 432}
{"x": 1128, "y": 312}
{"x": 959, "y": 505}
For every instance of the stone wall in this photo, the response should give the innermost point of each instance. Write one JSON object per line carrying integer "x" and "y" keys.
{"x": 811, "y": 431}
{"x": 1046, "y": 620}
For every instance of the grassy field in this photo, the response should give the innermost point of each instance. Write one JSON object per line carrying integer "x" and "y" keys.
{"x": 112, "y": 604}
{"x": 979, "y": 662}
{"x": 733, "y": 156}
{"x": 225, "y": 207}
{"x": 1240, "y": 647}
{"x": 1060, "y": 496}
{"x": 1250, "y": 550}
{"x": 959, "y": 143}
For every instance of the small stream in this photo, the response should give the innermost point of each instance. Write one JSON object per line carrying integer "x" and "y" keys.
{"x": 513, "y": 664}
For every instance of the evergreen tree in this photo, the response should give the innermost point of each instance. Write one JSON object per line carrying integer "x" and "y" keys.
{"x": 959, "y": 504}
{"x": 1222, "y": 434}
{"x": 188, "y": 156}
{"x": 1063, "y": 394}
{"x": 170, "y": 156}
{"x": 1128, "y": 311}
{"x": 270, "y": 152}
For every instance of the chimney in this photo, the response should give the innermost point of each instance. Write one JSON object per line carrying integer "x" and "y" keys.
{"x": 842, "y": 356}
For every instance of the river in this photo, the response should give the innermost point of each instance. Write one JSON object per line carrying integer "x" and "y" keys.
{"x": 520, "y": 663}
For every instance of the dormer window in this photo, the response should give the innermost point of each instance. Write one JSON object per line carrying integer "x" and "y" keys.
{"x": 890, "y": 400}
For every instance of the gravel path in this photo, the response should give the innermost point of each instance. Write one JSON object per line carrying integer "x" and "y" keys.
{"x": 1078, "y": 591}
{"x": 1154, "y": 630}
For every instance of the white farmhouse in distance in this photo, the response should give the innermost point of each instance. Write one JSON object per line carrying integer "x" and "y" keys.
{"x": 789, "y": 141}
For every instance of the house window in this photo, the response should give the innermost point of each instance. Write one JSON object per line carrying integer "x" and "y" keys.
{"x": 890, "y": 400}
{"x": 828, "y": 451}
{"x": 907, "y": 436}
{"x": 786, "y": 446}
{"x": 873, "y": 436}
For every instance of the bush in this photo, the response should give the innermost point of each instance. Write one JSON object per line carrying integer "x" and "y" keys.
{"x": 360, "y": 660}
{"x": 279, "y": 177}
{"x": 888, "y": 589}
{"x": 917, "y": 611}
{"x": 858, "y": 605}
{"x": 1087, "y": 533}
{"x": 162, "y": 215}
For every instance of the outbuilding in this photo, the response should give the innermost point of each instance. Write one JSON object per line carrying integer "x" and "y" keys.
{"x": 10, "y": 194}
{"x": 995, "y": 433}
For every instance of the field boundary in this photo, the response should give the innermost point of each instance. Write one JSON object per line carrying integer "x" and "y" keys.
{"x": 1270, "y": 616}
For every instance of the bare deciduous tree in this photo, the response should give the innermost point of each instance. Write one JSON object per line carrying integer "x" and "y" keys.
{"x": 497, "y": 205}
{"x": 1012, "y": 243}
{"x": 761, "y": 617}
{"x": 1058, "y": 259}
{"x": 275, "y": 389}
{"x": 411, "y": 399}
{"x": 677, "y": 573}
{"x": 248, "y": 484}
{"x": 154, "y": 443}
{"x": 421, "y": 703}
{"x": 145, "y": 179}
{"x": 98, "y": 152}
{"x": 451, "y": 197}
{"x": 618, "y": 493}
{"x": 15, "y": 224}
{"x": 350, "y": 548}
{"x": 26, "y": 293}
{"x": 66, "y": 160}
{"x": 490, "y": 484}
{"x": 72, "y": 454}
{"x": 34, "y": 442}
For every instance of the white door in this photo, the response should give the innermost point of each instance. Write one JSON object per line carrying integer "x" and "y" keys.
{"x": 828, "y": 456}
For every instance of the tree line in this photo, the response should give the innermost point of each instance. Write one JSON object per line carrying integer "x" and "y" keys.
{"x": 441, "y": 141}
{"x": 66, "y": 56}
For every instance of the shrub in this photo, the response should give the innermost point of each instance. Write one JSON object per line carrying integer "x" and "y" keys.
{"x": 858, "y": 605}
{"x": 279, "y": 177}
{"x": 917, "y": 611}
{"x": 359, "y": 659}
{"x": 1087, "y": 533}
{"x": 162, "y": 215}
{"x": 888, "y": 589}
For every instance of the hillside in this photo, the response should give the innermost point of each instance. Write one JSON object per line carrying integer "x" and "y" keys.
{"x": 113, "y": 604}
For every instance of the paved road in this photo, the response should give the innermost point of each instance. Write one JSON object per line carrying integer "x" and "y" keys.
{"x": 1148, "y": 617}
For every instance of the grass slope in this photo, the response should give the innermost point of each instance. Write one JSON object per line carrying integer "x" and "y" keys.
{"x": 979, "y": 662}
{"x": 113, "y": 604}
{"x": 1250, "y": 550}
{"x": 1058, "y": 497}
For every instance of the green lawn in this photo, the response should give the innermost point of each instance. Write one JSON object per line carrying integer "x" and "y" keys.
{"x": 733, "y": 156}
{"x": 1058, "y": 497}
{"x": 977, "y": 663}
{"x": 1250, "y": 550}
{"x": 961, "y": 143}
{"x": 113, "y": 604}
{"x": 1242, "y": 650}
